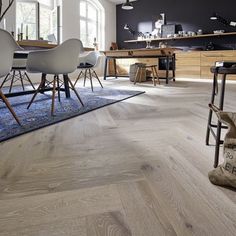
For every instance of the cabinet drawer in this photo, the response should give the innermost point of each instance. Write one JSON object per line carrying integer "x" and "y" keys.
{"x": 188, "y": 71}
{"x": 180, "y": 55}
{"x": 192, "y": 61}
{"x": 210, "y": 61}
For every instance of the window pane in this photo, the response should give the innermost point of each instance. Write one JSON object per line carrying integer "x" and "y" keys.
{"x": 92, "y": 29}
{"x": 26, "y": 15}
{"x": 45, "y": 22}
{"x": 83, "y": 32}
{"x": 83, "y": 9}
{"x": 92, "y": 13}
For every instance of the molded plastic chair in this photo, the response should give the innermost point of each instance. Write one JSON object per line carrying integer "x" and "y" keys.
{"x": 7, "y": 48}
{"x": 18, "y": 74}
{"x": 88, "y": 63}
{"x": 61, "y": 60}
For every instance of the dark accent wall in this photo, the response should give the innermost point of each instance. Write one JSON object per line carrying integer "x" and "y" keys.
{"x": 191, "y": 14}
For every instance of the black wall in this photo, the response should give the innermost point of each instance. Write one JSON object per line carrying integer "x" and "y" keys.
{"x": 192, "y": 15}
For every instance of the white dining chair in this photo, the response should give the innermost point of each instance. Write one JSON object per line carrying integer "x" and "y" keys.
{"x": 87, "y": 65}
{"x": 61, "y": 60}
{"x": 7, "y": 48}
{"x": 18, "y": 74}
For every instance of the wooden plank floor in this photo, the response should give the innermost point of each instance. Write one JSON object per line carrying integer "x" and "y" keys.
{"x": 135, "y": 168}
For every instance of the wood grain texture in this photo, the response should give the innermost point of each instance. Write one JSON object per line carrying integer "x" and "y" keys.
{"x": 135, "y": 168}
{"x": 107, "y": 224}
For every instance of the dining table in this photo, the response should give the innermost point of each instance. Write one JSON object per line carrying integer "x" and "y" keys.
{"x": 23, "y": 54}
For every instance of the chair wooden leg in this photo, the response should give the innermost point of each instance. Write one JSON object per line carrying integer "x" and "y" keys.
{"x": 29, "y": 80}
{"x": 41, "y": 85}
{"x": 96, "y": 76}
{"x": 140, "y": 75}
{"x": 155, "y": 69}
{"x": 12, "y": 80}
{"x": 58, "y": 88}
{"x": 136, "y": 76}
{"x": 53, "y": 95}
{"x": 9, "y": 107}
{"x": 153, "y": 76}
{"x": 81, "y": 72}
{"x": 73, "y": 88}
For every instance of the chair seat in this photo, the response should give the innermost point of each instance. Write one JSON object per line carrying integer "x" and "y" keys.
{"x": 224, "y": 70}
{"x": 85, "y": 66}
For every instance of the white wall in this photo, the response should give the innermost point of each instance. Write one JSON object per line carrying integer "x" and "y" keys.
{"x": 72, "y": 29}
{"x": 70, "y": 20}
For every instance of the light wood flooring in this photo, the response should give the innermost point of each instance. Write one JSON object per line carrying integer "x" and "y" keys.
{"x": 138, "y": 167}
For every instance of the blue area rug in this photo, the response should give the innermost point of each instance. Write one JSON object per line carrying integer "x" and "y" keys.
{"x": 39, "y": 115}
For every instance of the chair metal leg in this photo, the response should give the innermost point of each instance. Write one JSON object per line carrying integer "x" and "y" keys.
{"x": 21, "y": 80}
{"x": 219, "y": 124}
{"x": 90, "y": 78}
{"x": 12, "y": 81}
{"x": 9, "y": 107}
{"x": 210, "y": 111}
{"x": 96, "y": 76}
{"x": 85, "y": 76}
{"x": 53, "y": 95}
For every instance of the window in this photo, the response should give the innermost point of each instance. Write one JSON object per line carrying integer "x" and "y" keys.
{"x": 91, "y": 23}
{"x": 26, "y": 17}
{"x": 39, "y": 18}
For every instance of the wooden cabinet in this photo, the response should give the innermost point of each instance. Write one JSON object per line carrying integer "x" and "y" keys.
{"x": 188, "y": 64}
{"x": 198, "y": 64}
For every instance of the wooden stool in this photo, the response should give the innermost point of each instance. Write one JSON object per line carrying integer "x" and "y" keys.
{"x": 142, "y": 68}
{"x": 217, "y": 136}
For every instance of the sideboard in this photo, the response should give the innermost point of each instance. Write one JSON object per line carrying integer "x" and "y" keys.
{"x": 197, "y": 64}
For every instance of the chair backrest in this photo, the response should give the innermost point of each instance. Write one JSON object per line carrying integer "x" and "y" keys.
{"x": 93, "y": 58}
{"x": 60, "y": 60}
{"x": 7, "y": 47}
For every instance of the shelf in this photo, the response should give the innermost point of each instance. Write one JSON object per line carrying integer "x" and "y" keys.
{"x": 181, "y": 38}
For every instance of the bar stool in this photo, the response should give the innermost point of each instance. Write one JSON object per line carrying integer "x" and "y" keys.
{"x": 223, "y": 71}
{"x": 141, "y": 69}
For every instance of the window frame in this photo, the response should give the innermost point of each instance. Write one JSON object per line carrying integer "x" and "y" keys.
{"x": 98, "y": 22}
{"x": 37, "y": 15}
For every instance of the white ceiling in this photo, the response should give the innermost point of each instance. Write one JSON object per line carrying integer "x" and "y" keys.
{"x": 120, "y": 1}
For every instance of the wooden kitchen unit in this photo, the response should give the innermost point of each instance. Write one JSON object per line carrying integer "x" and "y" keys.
{"x": 197, "y": 64}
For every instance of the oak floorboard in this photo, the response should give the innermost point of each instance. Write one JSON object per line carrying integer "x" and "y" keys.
{"x": 137, "y": 168}
{"x": 107, "y": 224}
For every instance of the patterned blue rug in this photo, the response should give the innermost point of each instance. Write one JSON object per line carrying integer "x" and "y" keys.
{"x": 39, "y": 116}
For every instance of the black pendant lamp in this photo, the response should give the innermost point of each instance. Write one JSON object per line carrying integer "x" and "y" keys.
{"x": 127, "y": 5}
